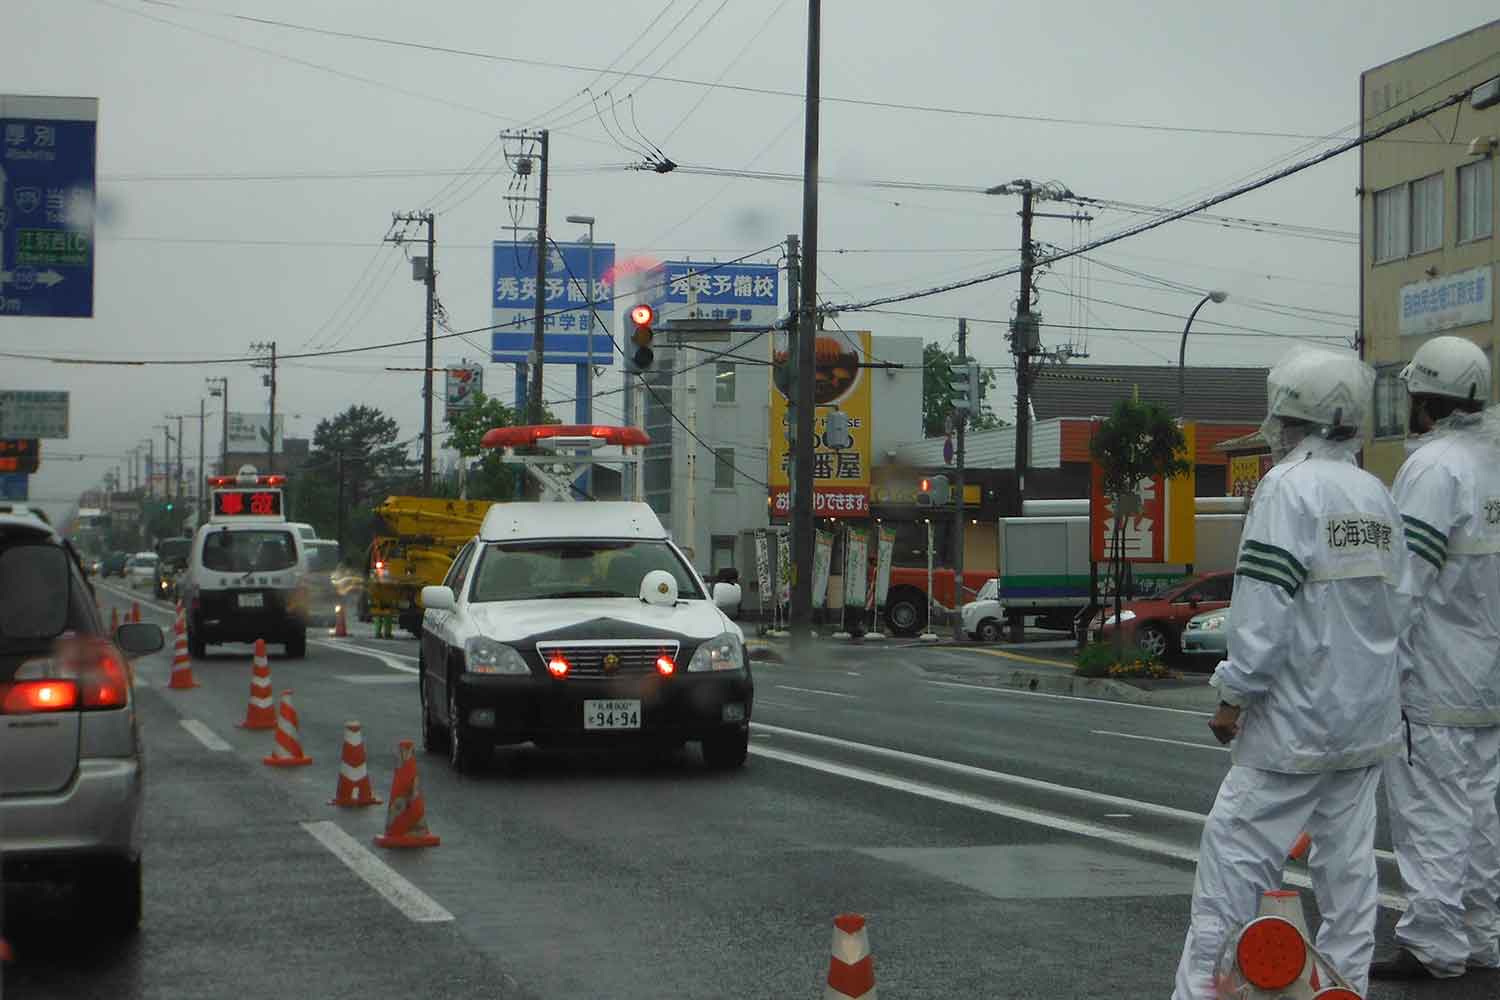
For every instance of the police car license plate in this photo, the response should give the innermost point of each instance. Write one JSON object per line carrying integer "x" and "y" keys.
{"x": 251, "y": 600}
{"x": 611, "y": 714}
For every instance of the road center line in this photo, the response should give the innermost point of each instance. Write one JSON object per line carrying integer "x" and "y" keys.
{"x": 1070, "y": 697}
{"x": 1021, "y": 814}
{"x": 831, "y": 694}
{"x": 389, "y": 659}
{"x": 205, "y": 735}
{"x": 1159, "y": 739}
{"x": 413, "y": 903}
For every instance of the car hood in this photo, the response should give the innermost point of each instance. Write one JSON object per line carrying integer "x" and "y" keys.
{"x": 516, "y": 621}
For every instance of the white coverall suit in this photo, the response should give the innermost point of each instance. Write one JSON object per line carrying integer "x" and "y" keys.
{"x": 1319, "y": 601}
{"x": 1442, "y": 793}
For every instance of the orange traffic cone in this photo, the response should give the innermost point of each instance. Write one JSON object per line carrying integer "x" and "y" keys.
{"x": 259, "y": 715}
{"x": 114, "y": 620}
{"x": 354, "y": 783}
{"x": 406, "y": 816}
{"x": 135, "y": 611}
{"x": 182, "y": 665}
{"x": 851, "y": 967}
{"x": 1300, "y": 847}
{"x": 6, "y": 955}
{"x": 288, "y": 752}
{"x": 340, "y": 623}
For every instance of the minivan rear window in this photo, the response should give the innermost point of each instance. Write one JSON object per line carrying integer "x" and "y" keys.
{"x": 258, "y": 551}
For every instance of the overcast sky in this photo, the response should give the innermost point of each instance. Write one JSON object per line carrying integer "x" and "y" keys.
{"x": 249, "y": 171}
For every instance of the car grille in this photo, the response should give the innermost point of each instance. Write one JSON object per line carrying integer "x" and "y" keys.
{"x": 609, "y": 658}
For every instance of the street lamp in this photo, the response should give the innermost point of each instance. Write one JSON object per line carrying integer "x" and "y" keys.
{"x": 586, "y": 391}
{"x": 219, "y": 387}
{"x": 1216, "y": 297}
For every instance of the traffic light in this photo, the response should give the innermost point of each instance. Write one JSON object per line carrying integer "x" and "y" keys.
{"x": 935, "y": 491}
{"x": 836, "y": 431}
{"x": 963, "y": 380}
{"x": 642, "y": 317}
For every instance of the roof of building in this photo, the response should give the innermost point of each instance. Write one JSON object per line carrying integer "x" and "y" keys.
{"x": 585, "y": 519}
{"x": 1228, "y": 395}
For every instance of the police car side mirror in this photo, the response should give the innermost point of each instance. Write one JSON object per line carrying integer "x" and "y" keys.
{"x": 726, "y": 596}
{"x": 438, "y": 599}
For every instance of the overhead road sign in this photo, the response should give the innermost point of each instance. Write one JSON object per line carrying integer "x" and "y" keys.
{"x": 47, "y": 153}
{"x": 567, "y": 318}
{"x": 15, "y": 486}
{"x": 20, "y": 455}
{"x": 33, "y": 414}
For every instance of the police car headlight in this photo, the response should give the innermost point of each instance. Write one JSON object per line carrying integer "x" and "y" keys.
{"x": 486, "y": 656}
{"x": 723, "y": 652}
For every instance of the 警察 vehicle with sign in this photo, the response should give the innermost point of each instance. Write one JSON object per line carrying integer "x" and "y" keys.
{"x": 243, "y": 580}
{"x": 579, "y": 623}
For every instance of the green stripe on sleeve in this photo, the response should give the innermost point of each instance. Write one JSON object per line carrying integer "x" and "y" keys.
{"x": 1261, "y": 548}
{"x": 1272, "y": 578}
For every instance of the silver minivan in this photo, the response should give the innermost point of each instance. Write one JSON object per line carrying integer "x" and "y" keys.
{"x": 70, "y": 749}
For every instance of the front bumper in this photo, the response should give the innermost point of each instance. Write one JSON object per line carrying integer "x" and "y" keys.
{"x": 97, "y": 816}
{"x": 546, "y": 710}
{"x": 1198, "y": 643}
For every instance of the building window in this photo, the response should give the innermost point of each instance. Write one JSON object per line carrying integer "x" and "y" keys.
{"x": 724, "y": 382}
{"x": 1390, "y": 401}
{"x": 723, "y": 468}
{"x": 720, "y": 553}
{"x": 1427, "y": 214}
{"x": 1476, "y": 201}
{"x": 1391, "y": 217}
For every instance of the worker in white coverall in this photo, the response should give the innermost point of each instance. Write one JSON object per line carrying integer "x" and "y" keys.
{"x": 1308, "y": 693}
{"x": 1441, "y": 790}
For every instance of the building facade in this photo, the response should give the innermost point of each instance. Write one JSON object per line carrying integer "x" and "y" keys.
{"x": 1427, "y": 217}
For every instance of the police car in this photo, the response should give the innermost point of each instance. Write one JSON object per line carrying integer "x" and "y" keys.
{"x": 243, "y": 580}
{"x": 579, "y": 623}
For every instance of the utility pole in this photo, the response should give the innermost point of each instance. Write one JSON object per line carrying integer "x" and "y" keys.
{"x": 1023, "y": 342}
{"x": 803, "y": 358}
{"x": 150, "y": 466}
{"x": 958, "y": 501}
{"x": 341, "y": 502}
{"x": 270, "y": 381}
{"x": 538, "y": 347}
{"x": 425, "y": 271}
{"x": 219, "y": 386}
{"x": 202, "y": 483}
{"x": 166, "y": 458}
{"x": 180, "y": 492}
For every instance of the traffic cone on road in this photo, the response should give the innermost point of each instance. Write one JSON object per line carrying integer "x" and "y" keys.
{"x": 340, "y": 623}
{"x": 135, "y": 611}
{"x": 354, "y": 782}
{"x": 851, "y": 967}
{"x": 288, "y": 751}
{"x": 406, "y": 816}
{"x": 182, "y": 664}
{"x": 260, "y": 715}
{"x": 114, "y": 620}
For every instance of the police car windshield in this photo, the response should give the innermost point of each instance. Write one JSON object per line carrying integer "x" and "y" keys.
{"x": 564, "y": 568}
{"x": 257, "y": 551}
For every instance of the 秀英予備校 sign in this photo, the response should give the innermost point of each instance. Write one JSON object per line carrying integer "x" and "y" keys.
{"x": 47, "y": 149}
{"x": 570, "y": 309}
{"x": 1453, "y": 300}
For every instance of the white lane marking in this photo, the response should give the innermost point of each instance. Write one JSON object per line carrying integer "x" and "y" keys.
{"x": 389, "y": 659}
{"x": 1117, "y": 815}
{"x": 763, "y": 702}
{"x": 1020, "y": 814}
{"x": 1006, "y": 778}
{"x": 1159, "y": 739}
{"x": 831, "y": 694}
{"x": 372, "y": 679}
{"x": 413, "y": 903}
{"x": 205, "y": 735}
{"x": 1070, "y": 697}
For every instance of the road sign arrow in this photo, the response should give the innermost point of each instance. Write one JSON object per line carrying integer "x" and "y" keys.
{"x": 49, "y": 278}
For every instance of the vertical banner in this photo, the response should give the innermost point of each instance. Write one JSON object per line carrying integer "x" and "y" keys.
{"x": 822, "y": 564}
{"x": 784, "y": 567}
{"x": 1182, "y": 505}
{"x": 763, "y": 569}
{"x": 885, "y": 550}
{"x": 856, "y": 549}
{"x": 928, "y": 613}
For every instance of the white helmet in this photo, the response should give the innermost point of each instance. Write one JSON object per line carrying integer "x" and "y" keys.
{"x": 1451, "y": 367}
{"x": 1330, "y": 389}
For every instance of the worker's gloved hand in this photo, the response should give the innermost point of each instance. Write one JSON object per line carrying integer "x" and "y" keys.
{"x": 1226, "y": 722}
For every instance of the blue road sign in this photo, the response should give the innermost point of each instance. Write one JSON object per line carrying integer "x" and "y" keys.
{"x": 47, "y": 205}
{"x": 740, "y": 286}
{"x": 15, "y": 486}
{"x": 565, "y": 298}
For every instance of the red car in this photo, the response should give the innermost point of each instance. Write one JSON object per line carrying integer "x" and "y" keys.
{"x": 1155, "y": 623}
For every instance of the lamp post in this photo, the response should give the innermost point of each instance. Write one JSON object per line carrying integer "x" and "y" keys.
{"x": 1214, "y": 296}
{"x": 586, "y": 391}
{"x": 219, "y": 386}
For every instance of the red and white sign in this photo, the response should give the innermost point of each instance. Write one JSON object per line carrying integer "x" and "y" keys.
{"x": 1145, "y": 539}
{"x": 828, "y": 501}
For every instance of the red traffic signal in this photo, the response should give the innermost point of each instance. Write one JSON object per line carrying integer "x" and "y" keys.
{"x": 642, "y": 316}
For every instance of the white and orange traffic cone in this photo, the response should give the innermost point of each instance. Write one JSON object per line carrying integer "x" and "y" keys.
{"x": 288, "y": 750}
{"x": 135, "y": 611}
{"x": 406, "y": 816}
{"x": 259, "y": 714}
{"x": 182, "y": 664}
{"x": 114, "y": 620}
{"x": 354, "y": 782}
{"x": 851, "y": 967}
{"x": 340, "y": 623}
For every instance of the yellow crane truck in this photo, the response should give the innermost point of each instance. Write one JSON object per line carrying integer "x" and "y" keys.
{"x": 417, "y": 541}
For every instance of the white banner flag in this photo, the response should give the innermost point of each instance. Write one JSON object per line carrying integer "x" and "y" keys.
{"x": 784, "y": 566}
{"x": 856, "y": 549}
{"x": 822, "y": 564}
{"x": 885, "y": 549}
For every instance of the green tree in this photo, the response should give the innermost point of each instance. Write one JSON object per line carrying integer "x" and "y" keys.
{"x": 374, "y": 463}
{"x": 489, "y": 478}
{"x": 937, "y": 393}
{"x": 1138, "y": 441}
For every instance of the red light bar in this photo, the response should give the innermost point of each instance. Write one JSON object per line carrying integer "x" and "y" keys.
{"x": 521, "y": 437}
{"x": 277, "y": 480}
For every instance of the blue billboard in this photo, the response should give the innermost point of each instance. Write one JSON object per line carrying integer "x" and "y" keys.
{"x": 565, "y": 297}
{"x": 47, "y": 205}
{"x": 14, "y": 486}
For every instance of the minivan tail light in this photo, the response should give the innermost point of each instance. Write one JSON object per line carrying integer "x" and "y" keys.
{"x": 32, "y": 697}
{"x": 105, "y": 683}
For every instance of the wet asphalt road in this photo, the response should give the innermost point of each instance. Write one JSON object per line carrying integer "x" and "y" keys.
{"x": 1001, "y": 844}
